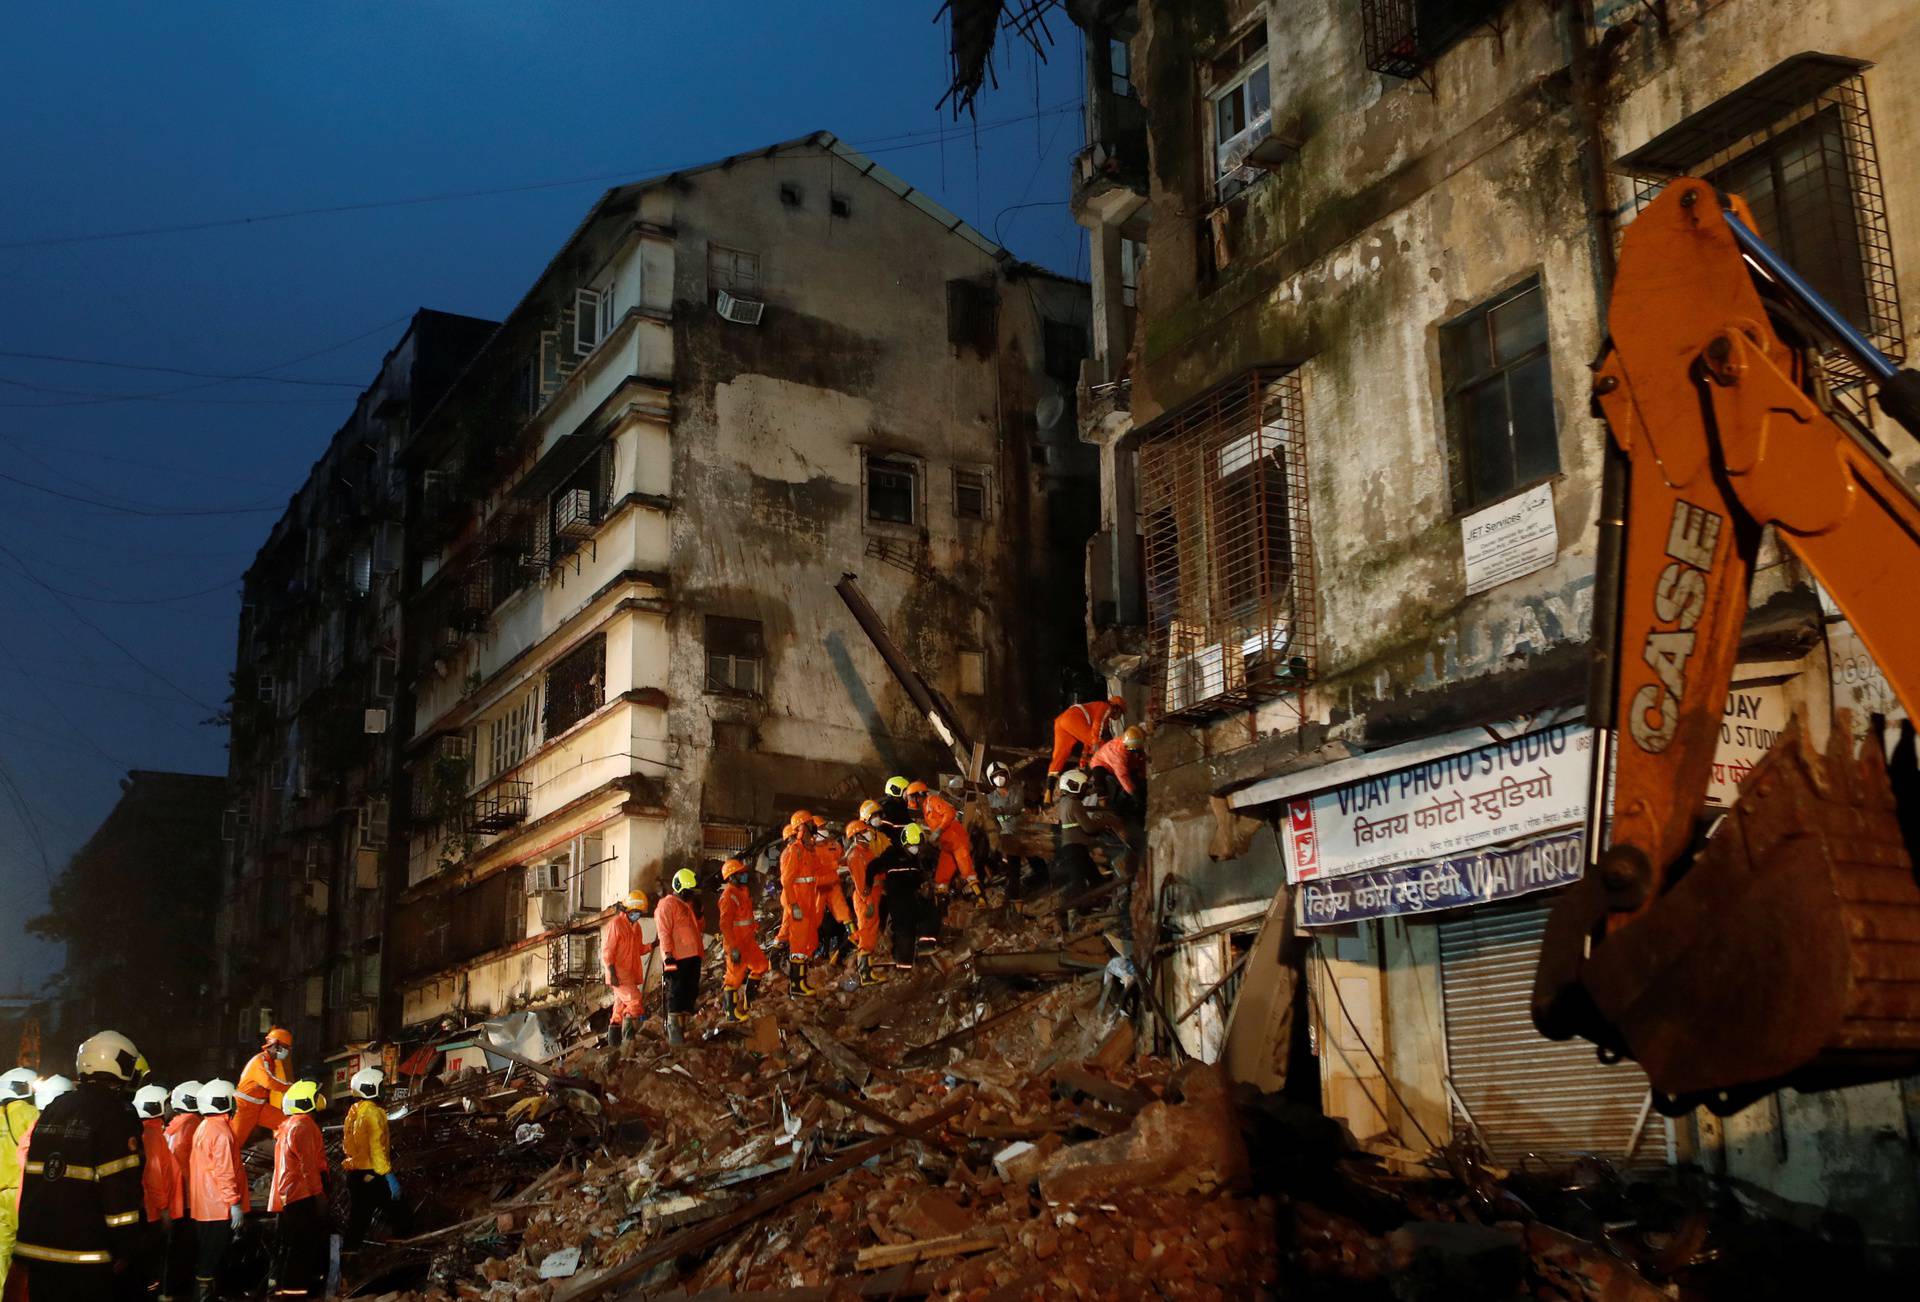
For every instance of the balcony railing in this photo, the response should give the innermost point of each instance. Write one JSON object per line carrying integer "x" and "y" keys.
{"x": 501, "y": 806}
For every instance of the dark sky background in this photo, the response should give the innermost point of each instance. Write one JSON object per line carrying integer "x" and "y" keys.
{"x": 117, "y": 610}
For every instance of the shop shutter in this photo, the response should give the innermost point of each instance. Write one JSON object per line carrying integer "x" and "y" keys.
{"x": 1537, "y": 1101}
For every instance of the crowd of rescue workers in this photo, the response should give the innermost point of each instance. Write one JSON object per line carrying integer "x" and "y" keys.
{"x": 116, "y": 1188}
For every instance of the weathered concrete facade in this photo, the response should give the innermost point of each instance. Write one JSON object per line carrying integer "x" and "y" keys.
{"x": 1377, "y": 214}
{"x": 653, "y": 677}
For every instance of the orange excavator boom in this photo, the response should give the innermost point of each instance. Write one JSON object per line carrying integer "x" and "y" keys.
{"x": 1786, "y": 950}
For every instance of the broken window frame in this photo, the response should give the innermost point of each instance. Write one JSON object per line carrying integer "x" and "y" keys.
{"x": 736, "y": 271}
{"x": 574, "y": 686}
{"x": 1228, "y": 547}
{"x": 736, "y": 647}
{"x": 1473, "y": 369}
{"x": 891, "y": 464}
{"x": 1233, "y": 86}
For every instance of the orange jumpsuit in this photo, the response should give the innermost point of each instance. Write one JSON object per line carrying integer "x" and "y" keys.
{"x": 180, "y": 1132}
{"x": 939, "y": 816}
{"x": 1077, "y": 727}
{"x": 218, "y": 1180}
{"x": 737, "y": 933}
{"x": 809, "y": 886}
{"x": 299, "y": 1163}
{"x": 159, "y": 1175}
{"x": 868, "y": 888}
{"x": 1116, "y": 759}
{"x": 623, "y": 956}
{"x": 257, "y": 1098}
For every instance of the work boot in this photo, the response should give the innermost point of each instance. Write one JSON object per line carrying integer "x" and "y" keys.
{"x": 797, "y": 977}
{"x": 676, "y": 1028}
{"x": 203, "y": 1290}
{"x": 869, "y": 974}
{"x": 728, "y": 998}
{"x": 749, "y": 994}
{"x": 613, "y": 1035}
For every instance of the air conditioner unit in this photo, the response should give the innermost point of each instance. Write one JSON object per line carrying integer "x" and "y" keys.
{"x": 375, "y": 721}
{"x": 740, "y": 311}
{"x": 573, "y": 514}
{"x": 546, "y": 878}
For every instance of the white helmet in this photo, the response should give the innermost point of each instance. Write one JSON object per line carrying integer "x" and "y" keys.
{"x": 186, "y": 1096}
{"x": 1073, "y": 782}
{"x": 367, "y": 1082}
{"x": 150, "y": 1100}
{"x": 49, "y": 1089}
{"x": 111, "y": 1054}
{"x": 216, "y": 1098}
{"x": 18, "y": 1083}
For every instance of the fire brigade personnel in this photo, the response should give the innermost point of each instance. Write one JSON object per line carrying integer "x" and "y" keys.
{"x": 1081, "y": 727}
{"x": 180, "y": 1132}
{"x": 80, "y": 1192}
{"x": 746, "y": 962}
{"x": 17, "y": 1115}
{"x": 367, "y": 1158}
{"x": 906, "y": 869}
{"x": 624, "y": 948}
{"x": 865, "y": 845}
{"x": 809, "y": 885}
{"x": 1124, "y": 758}
{"x": 262, "y": 1086}
{"x": 676, "y": 921}
{"x": 894, "y": 812}
{"x": 939, "y": 816}
{"x": 161, "y": 1192}
{"x": 299, "y": 1195}
{"x": 218, "y": 1198}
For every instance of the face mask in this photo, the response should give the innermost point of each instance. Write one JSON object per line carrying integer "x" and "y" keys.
{"x": 999, "y": 781}
{"x": 280, "y": 1052}
{"x": 633, "y": 917}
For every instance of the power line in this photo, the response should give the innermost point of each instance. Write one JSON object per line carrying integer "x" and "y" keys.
{"x": 879, "y": 144}
{"x": 143, "y": 601}
{"x": 142, "y": 509}
{"x": 178, "y": 370}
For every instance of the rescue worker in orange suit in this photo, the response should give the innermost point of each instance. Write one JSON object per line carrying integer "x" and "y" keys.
{"x": 217, "y": 1198}
{"x": 17, "y": 1115}
{"x": 180, "y": 1132}
{"x": 941, "y": 817}
{"x": 809, "y": 881}
{"x": 624, "y": 948}
{"x": 367, "y": 1158}
{"x": 81, "y": 1200}
{"x": 746, "y": 962}
{"x": 1125, "y": 759}
{"x": 299, "y": 1196}
{"x": 865, "y": 845}
{"x": 676, "y": 921}
{"x": 789, "y": 837}
{"x": 1081, "y": 728}
{"x": 262, "y": 1086}
{"x": 161, "y": 1192}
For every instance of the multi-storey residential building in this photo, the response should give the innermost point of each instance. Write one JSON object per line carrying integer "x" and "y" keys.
{"x": 1378, "y": 241}
{"x": 317, "y": 717}
{"x": 730, "y": 387}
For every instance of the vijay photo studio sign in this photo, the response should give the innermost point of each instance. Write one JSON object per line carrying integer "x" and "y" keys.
{"x": 1477, "y": 877}
{"x": 1446, "y": 806}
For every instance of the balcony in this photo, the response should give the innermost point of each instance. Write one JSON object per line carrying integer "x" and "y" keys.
{"x": 1110, "y": 180}
{"x": 499, "y": 807}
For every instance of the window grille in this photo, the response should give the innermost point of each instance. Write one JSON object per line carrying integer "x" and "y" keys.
{"x": 576, "y": 685}
{"x": 1797, "y": 144}
{"x": 1229, "y": 567}
{"x": 1402, "y": 38}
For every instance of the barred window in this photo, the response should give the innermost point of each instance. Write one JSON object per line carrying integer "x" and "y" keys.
{"x": 576, "y": 685}
{"x": 1402, "y": 38}
{"x": 1797, "y": 144}
{"x": 1229, "y": 573}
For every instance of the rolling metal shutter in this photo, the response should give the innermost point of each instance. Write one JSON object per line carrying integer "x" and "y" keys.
{"x": 1537, "y": 1101}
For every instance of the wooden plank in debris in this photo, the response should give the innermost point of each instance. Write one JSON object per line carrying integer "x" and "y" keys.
{"x": 848, "y": 1063}
{"x": 1078, "y": 1080}
{"x": 905, "y": 1129}
{"x": 922, "y": 1053}
{"x": 925, "y": 1250}
{"x": 1229, "y": 925}
{"x": 699, "y": 1237}
{"x": 1200, "y": 1001}
{"x": 1086, "y": 955}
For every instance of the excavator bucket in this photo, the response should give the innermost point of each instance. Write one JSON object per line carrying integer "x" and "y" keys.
{"x": 1788, "y": 954}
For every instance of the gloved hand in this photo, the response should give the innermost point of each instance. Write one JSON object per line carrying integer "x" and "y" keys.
{"x": 612, "y": 978}
{"x": 393, "y": 1185}
{"x": 235, "y": 1216}
{"x": 979, "y": 894}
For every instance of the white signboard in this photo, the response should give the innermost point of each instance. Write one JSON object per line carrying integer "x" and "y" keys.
{"x": 1752, "y": 720}
{"x": 1458, "y": 802}
{"x": 1509, "y": 539}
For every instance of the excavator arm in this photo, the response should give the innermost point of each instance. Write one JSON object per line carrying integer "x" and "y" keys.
{"x": 1786, "y": 950}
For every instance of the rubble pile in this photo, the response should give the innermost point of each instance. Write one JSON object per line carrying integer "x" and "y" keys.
{"x": 959, "y": 1135}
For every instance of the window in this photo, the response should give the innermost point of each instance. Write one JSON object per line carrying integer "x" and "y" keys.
{"x": 1402, "y": 38}
{"x": 734, "y": 270}
{"x": 972, "y": 666}
{"x": 971, "y": 307}
{"x": 970, "y": 496}
{"x": 578, "y": 507}
{"x": 512, "y": 734}
{"x": 1242, "y": 110}
{"x": 732, "y": 736}
{"x": 840, "y": 206}
{"x": 576, "y": 685}
{"x": 736, "y": 652}
{"x": 1229, "y": 578}
{"x": 592, "y": 318}
{"x": 1120, "y": 67}
{"x": 893, "y": 489}
{"x": 789, "y": 194}
{"x": 1064, "y": 346}
{"x": 1499, "y": 397}
{"x": 360, "y": 570}
{"x": 1132, "y": 255}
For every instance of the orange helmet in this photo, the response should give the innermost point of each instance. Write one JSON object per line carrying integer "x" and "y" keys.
{"x": 868, "y": 808}
{"x": 817, "y": 820}
{"x": 799, "y": 816}
{"x": 731, "y": 869}
{"x": 1118, "y": 704}
{"x": 280, "y": 1035}
{"x": 916, "y": 789}
{"x": 857, "y": 828}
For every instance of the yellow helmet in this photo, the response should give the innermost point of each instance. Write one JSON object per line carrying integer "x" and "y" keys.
{"x": 913, "y": 834}
{"x": 636, "y": 902}
{"x": 1134, "y": 737}
{"x": 685, "y": 880}
{"x": 303, "y": 1096}
{"x": 896, "y": 786}
{"x": 868, "y": 808}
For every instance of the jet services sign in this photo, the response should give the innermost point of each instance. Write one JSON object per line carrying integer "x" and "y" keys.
{"x": 1443, "y": 807}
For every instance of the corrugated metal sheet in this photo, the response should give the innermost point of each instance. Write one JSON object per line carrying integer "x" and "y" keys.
{"x": 1537, "y": 1101}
